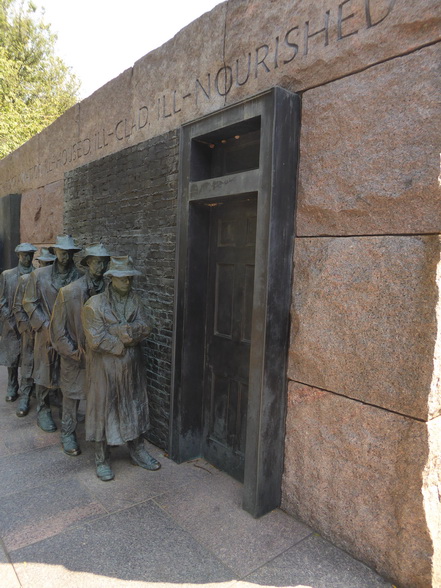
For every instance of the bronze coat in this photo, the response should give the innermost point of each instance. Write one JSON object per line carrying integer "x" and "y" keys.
{"x": 67, "y": 335}
{"x": 11, "y": 341}
{"x": 38, "y": 301}
{"x": 117, "y": 404}
{"x": 24, "y": 328}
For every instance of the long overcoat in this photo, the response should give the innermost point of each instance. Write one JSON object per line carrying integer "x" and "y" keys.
{"x": 67, "y": 335}
{"x": 24, "y": 328}
{"x": 10, "y": 341}
{"x": 38, "y": 301}
{"x": 117, "y": 404}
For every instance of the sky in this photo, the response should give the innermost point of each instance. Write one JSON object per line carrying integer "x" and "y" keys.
{"x": 99, "y": 39}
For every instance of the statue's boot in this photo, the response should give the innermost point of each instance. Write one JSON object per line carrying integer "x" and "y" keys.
{"x": 26, "y": 388}
{"x": 44, "y": 414}
{"x": 12, "y": 393}
{"x": 102, "y": 461}
{"x": 70, "y": 444}
{"x": 141, "y": 457}
{"x": 68, "y": 426}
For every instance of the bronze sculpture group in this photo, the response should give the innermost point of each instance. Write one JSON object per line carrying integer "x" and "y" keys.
{"x": 70, "y": 331}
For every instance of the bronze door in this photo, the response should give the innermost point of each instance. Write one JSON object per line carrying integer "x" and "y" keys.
{"x": 228, "y": 333}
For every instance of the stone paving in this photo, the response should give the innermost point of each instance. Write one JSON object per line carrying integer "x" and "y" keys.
{"x": 180, "y": 526}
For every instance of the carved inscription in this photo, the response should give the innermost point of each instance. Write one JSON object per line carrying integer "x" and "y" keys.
{"x": 299, "y": 40}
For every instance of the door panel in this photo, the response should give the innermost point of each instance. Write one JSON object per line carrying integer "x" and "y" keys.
{"x": 228, "y": 333}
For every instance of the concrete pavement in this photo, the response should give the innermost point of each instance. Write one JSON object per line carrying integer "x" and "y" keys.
{"x": 180, "y": 526}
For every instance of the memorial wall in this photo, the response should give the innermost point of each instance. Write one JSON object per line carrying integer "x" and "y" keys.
{"x": 362, "y": 387}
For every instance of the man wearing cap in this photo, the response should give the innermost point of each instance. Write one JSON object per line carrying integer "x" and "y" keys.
{"x": 11, "y": 341}
{"x": 117, "y": 409}
{"x": 38, "y": 301}
{"x": 27, "y": 336}
{"x": 68, "y": 339}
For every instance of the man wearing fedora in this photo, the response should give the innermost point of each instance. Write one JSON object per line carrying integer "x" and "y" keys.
{"x": 68, "y": 339}
{"x": 117, "y": 409}
{"x": 27, "y": 336}
{"x": 11, "y": 340}
{"x": 38, "y": 301}
{"x": 46, "y": 256}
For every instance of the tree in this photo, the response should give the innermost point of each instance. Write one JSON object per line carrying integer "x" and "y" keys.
{"x": 36, "y": 86}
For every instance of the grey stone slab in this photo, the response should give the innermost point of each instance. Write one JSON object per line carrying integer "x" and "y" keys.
{"x": 316, "y": 563}
{"x": 8, "y": 577}
{"x": 25, "y": 471}
{"x": 20, "y": 435}
{"x": 213, "y": 514}
{"x": 133, "y": 485}
{"x": 33, "y": 515}
{"x": 138, "y": 544}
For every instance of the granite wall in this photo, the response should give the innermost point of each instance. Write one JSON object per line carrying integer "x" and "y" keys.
{"x": 362, "y": 454}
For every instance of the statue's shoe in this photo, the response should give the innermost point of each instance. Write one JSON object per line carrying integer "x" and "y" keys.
{"x": 11, "y": 397}
{"x": 70, "y": 445}
{"x": 104, "y": 472}
{"x": 23, "y": 407}
{"x": 46, "y": 422}
{"x": 142, "y": 458}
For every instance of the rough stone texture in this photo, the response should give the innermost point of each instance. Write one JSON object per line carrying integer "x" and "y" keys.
{"x": 368, "y": 480}
{"x": 370, "y": 165}
{"x": 205, "y": 66}
{"x": 41, "y": 218}
{"x": 284, "y": 49}
{"x": 128, "y": 201}
{"x": 366, "y": 320}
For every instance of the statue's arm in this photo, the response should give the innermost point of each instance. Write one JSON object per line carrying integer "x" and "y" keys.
{"x": 4, "y": 310}
{"x": 32, "y": 305}
{"x": 141, "y": 327}
{"x": 60, "y": 338}
{"x": 98, "y": 335}
{"x": 21, "y": 318}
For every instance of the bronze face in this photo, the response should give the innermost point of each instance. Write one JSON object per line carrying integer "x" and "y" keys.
{"x": 25, "y": 258}
{"x": 122, "y": 285}
{"x": 64, "y": 257}
{"x": 97, "y": 266}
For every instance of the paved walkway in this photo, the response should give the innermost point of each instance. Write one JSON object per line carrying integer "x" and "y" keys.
{"x": 183, "y": 525}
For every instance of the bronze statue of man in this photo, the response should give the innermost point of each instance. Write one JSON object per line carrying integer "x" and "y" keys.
{"x": 27, "y": 336}
{"x": 38, "y": 301}
{"x": 11, "y": 339}
{"x": 117, "y": 410}
{"x": 68, "y": 339}
{"x": 46, "y": 256}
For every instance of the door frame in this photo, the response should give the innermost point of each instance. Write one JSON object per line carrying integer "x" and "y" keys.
{"x": 274, "y": 182}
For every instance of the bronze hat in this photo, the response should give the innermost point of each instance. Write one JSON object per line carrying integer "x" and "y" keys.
{"x": 66, "y": 242}
{"x": 95, "y": 250}
{"x": 46, "y": 254}
{"x": 122, "y": 266}
{"x": 25, "y": 248}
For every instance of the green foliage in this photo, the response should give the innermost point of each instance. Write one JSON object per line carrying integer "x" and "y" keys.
{"x": 36, "y": 86}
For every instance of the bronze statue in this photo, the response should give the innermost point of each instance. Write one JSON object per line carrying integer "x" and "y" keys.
{"x": 117, "y": 409}
{"x": 11, "y": 339}
{"x": 38, "y": 301}
{"x": 46, "y": 256}
{"x": 68, "y": 340}
{"x": 27, "y": 337}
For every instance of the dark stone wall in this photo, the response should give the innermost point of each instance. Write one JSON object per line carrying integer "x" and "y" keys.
{"x": 128, "y": 201}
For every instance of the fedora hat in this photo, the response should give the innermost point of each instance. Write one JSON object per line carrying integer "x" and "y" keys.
{"x": 46, "y": 254}
{"x": 66, "y": 242}
{"x": 25, "y": 248}
{"x": 122, "y": 266}
{"x": 95, "y": 250}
